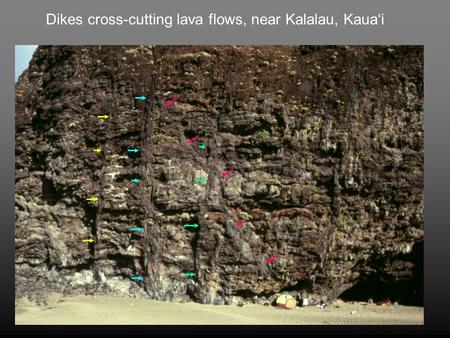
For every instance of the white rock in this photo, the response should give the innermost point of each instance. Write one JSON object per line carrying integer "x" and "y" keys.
{"x": 286, "y": 302}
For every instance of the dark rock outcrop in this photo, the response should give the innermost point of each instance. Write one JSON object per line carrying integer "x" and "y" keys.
{"x": 324, "y": 146}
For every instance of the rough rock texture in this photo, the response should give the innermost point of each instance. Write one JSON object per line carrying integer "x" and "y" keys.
{"x": 325, "y": 143}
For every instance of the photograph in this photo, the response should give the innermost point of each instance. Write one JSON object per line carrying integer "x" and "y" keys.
{"x": 219, "y": 184}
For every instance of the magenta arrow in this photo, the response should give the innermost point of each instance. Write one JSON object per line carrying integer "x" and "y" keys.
{"x": 168, "y": 103}
{"x": 240, "y": 223}
{"x": 228, "y": 172}
{"x": 192, "y": 140}
{"x": 271, "y": 260}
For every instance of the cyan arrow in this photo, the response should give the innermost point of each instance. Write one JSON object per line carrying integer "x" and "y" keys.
{"x": 137, "y": 229}
{"x": 137, "y": 278}
{"x": 142, "y": 97}
{"x": 133, "y": 150}
{"x": 135, "y": 180}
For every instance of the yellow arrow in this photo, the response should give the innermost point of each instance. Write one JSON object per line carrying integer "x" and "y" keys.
{"x": 103, "y": 116}
{"x": 88, "y": 240}
{"x": 97, "y": 150}
{"x": 92, "y": 199}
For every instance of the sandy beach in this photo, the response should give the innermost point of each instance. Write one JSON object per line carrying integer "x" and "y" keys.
{"x": 115, "y": 310}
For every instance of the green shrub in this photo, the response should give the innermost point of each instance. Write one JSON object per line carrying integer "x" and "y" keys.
{"x": 157, "y": 138}
{"x": 315, "y": 189}
{"x": 263, "y": 134}
{"x": 342, "y": 224}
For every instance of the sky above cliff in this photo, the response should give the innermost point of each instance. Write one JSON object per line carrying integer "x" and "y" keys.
{"x": 23, "y": 57}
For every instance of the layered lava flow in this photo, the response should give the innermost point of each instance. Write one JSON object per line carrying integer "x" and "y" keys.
{"x": 221, "y": 173}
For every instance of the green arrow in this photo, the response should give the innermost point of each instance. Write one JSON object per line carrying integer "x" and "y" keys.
{"x": 195, "y": 225}
{"x": 201, "y": 180}
{"x": 202, "y": 146}
{"x": 189, "y": 274}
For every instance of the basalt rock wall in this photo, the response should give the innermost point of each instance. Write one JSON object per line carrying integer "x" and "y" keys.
{"x": 310, "y": 179}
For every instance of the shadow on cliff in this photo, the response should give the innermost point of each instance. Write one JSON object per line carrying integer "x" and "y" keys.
{"x": 379, "y": 286}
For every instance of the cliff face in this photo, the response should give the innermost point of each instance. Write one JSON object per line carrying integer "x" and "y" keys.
{"x": 311, "y": 180}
